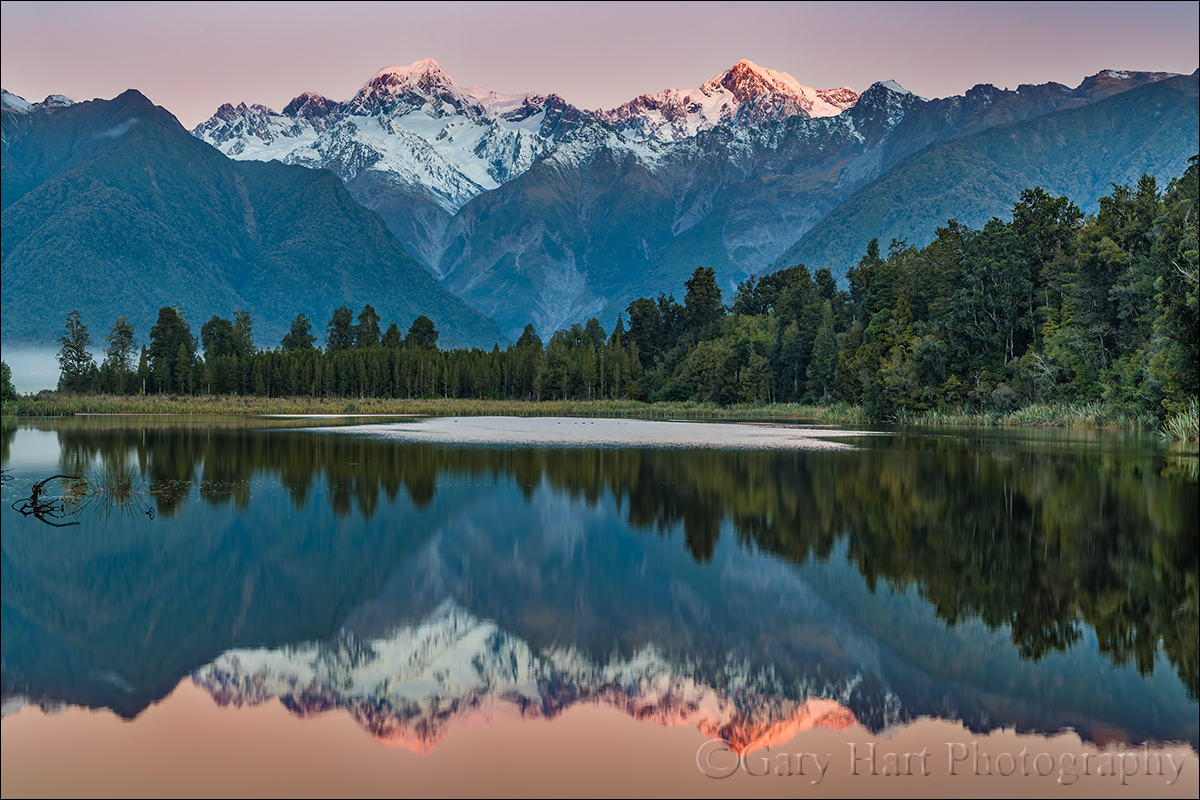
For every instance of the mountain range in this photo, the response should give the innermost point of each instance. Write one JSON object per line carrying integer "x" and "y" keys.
{"x": 110, "y": 207}
{"x": 530, "y": 209}
{"x": 533, "y": 210}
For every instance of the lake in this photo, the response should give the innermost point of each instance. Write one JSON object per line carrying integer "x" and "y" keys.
{"x": 559, "y": 605}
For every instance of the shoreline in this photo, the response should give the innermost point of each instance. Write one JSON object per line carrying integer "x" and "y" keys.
{"x": 1058, "y": 415}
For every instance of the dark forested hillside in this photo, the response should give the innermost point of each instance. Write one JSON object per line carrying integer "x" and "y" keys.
{"x": 111, "y": 207}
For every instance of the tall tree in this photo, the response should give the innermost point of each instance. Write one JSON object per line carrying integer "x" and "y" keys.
{"x": 170, "y": 336}
{"x": 6, "y": 385}
{"x": 422, "y": 334}
{"x": 299, "y": 337}
{"x": 645, "y": 329}
{"x": 823, "y": 362}
{"x": 702, "y": 304}
{"x": 243, "y": 334}
{"x": 120, "y": 356}
{"x": 74, "y": 361}
{"x": 392, "y": 338}
{"x": 366, "y": 332}
{"x": 1175, "y": 359}
{"x": 340, "y": 331}
{"x": 216, "y": 336}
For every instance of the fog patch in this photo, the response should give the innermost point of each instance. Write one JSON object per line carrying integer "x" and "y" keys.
{"x": 36, "y": 368}
{"x": 116, "y": 130}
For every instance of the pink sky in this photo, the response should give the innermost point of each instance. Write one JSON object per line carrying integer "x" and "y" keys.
{"x": 190, "y": 58}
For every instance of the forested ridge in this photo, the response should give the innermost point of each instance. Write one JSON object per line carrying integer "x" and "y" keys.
{"x": 1051, "y": 306}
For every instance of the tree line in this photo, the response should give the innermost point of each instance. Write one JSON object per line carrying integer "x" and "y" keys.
{"x": 1052, "y": 306}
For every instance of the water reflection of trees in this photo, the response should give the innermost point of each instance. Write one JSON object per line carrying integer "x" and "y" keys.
{"x": 1044, "y": 542}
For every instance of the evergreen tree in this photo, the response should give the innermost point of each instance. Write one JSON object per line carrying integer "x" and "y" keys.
{"x": 340, "y": 331}
{"x": 825, "y": 283}
{"x": 422, "y": 334}
{"x": 216, "y": 336}
{"x": 1174, "y": 353}
{"x": 594, "y": 332}
{"x": 671, "y": 315}
{"x": 243, "y": 334}
{"x": 75, "y": 362}
{"x": 168, "y": 337}
{"x": 823, "y": 363}
{"x": 529, "y": 338}
{"x": 702, "y": 305}
{"x": 392, "y": 339}
{"x": 646, "y": 330}
{"x": 366, "y": 332}
{"x": 747, "y": 301}
{"x": 861, "y": 277}
{"x": 300, "y": 337}
{"x": 7, "y": 391}
{"x": 143, "y": 372}
{"x": 120, "y": 354}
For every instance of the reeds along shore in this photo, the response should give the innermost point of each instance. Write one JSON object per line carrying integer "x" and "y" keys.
{"x": 1182, "y": 426}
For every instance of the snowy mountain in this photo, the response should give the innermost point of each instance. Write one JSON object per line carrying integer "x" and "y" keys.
{"x": 414, "y": 123}
{"x": 412, "y": 144}
{"x": 416, "y": 147}
{"x": 11, "y": 102}
{"x": 745, "y": 94}
{"x": 535, "y": 211}
{"x": 418, "y": 123}
{"x": 412, "y": 687}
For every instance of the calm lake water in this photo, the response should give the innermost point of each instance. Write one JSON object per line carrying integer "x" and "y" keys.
{"x": 513, "y": 606}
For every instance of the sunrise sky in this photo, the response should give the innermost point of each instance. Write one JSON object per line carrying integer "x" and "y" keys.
{"x": 190, "y": 58}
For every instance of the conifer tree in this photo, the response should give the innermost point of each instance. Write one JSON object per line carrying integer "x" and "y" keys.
{"x": 74, "y": 361}
{"x": 340, "y": 331}
{"x": 422, "y": 334}
{"x": 299, "y": 337}
{"x": 366, "y": 332}
{"x": 119, "y": 356}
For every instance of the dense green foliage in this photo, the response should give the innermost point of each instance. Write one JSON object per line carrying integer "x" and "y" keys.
{"x": 1052, "y": 307}
{"x": 7, "y": 391}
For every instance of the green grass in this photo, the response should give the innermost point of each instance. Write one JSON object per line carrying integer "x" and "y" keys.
{"x": 1062, "y": 415}
{"x": 52, "y": 405}
{"x": 1041, "y": 415}
{"x": 1184, "y": 426}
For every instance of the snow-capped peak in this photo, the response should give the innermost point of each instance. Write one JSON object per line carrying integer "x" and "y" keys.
{"x": 14, "y": 102}
{"x": 425, "y": 77}
{"x": 311, "y": 104}
{"x": 415, "y": 124}
{"x": 893, "y": 86}
{"x": 19, "y": 104}
{"x": 414, "y": 71}
{"x": 747, "y": 80}
{"x": 743, "y": 95}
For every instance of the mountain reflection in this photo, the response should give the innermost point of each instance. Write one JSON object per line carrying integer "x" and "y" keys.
{"x": 412, "y": 687}
{"x": 308, "y": 538}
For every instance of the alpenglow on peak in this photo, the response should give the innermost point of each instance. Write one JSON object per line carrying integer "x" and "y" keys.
{"x": 745, "y": 94}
